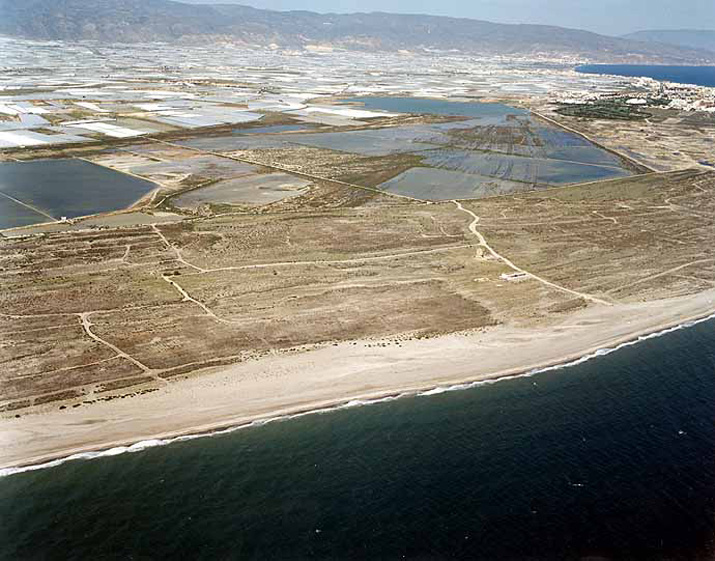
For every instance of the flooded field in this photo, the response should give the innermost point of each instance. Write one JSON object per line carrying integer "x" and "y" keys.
{"x": 473, "y": 150}
{"x": 436, "y": 106}
{"x": 439, "y": 184}
{"x": 535, "y": 171}
{"x": 366, "y": 143}
{"x": 46, "y": 190}
{"x": 495, "y": 150}
{"x": 14, "y": 214}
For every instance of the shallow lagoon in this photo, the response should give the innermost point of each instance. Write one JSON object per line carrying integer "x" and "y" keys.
{"x": 497, "y": 148}
{"x": 517, "y": 168}
{"x": 439, "y": 184}
{"x": 57, "y": 188}
{"x": 437, "y": 106}
{"x": 366, "y": 143}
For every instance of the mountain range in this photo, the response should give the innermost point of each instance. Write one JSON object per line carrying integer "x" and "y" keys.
{"x": 169, "y": 21}
{"x": 703, "y": 39}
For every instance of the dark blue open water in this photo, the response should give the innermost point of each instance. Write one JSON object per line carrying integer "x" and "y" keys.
{"x": 66, "y": 187}
{"x": 698, "y": 75}
{"x": 610, "y": 459}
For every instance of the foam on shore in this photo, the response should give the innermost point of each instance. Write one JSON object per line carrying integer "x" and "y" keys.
{"x": 348, "y": 404}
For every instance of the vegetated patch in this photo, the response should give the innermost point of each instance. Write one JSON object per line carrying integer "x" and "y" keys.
{"x": 59, "y": 396}
{"x": 15, "y": 405}
{"x": 120, "y": 384}
{"x": 568, "y": 306}
{"x": 606, "y": 109}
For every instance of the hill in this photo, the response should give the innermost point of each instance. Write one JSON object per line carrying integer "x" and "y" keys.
{"x": 692, "y": 38}
{"x": 166, "y": 20}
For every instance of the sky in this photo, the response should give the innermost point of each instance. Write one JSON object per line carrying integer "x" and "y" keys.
{"x": 609, "y": 17}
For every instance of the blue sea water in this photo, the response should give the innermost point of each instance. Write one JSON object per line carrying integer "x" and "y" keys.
{"x": 608, "y": 459}
{"x": 697, "y": 75}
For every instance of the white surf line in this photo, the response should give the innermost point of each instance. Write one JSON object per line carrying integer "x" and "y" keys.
{"x": 483, "y": 243}
{"x": 87, "y": 325}
{"x": 347, "y": 403}
{"x": 176, "y": 251}
{"x": 32, "y": 208}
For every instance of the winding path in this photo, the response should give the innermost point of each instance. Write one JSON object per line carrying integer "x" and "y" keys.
{"x": 87, "y": 325}
{"x": 485, "y": 245}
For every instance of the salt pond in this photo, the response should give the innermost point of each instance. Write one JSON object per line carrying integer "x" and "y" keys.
{"x": 497, "y": 150}
{"x": 516, "y": 168}
{"x": 437, "y": 106}
{"x": 43, "y": 190}
{"x": 439, "y": 184}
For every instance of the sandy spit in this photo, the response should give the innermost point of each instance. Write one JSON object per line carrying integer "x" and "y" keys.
{"x": 290, "y": 383}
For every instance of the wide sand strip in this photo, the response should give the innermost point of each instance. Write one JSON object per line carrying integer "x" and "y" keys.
{"x": 288, "y": 383}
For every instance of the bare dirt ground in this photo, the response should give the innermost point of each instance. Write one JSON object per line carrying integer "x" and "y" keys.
{"x": 628, "y": 240}
{"x": 125, "y": 306}
{"x": 100, "y": 315}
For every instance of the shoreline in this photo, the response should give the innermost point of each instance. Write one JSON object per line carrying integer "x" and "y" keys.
{"x": 31, "y": 442}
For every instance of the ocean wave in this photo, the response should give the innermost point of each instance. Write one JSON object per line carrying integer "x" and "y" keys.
{"x": 350, "y": 404}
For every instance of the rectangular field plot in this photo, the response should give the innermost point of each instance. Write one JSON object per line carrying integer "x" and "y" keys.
{"x": 554, "y": 137}
{"x": 437, "y": 106}
{"x": 71, "y": 188}
{"x": 271, "y": 129}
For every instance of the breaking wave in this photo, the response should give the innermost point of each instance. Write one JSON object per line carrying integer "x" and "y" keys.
{"x": 353, "y": 403}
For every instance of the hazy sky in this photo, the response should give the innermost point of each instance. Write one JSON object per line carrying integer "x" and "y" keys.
{"x": 611, "y": 17}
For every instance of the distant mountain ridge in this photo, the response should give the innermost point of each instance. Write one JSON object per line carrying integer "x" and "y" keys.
{"x": 703, "y": 39}
{"x": 166, "y": 20}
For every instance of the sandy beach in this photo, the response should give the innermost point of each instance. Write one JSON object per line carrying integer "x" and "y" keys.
{"x": 332, "y": 375}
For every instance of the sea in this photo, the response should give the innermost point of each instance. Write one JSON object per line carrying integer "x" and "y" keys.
{"x": 696, "y": 75}
{"x": 610, "y": 458}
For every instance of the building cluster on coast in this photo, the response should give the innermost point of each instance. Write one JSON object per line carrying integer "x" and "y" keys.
{"x": 643, "y": 91}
